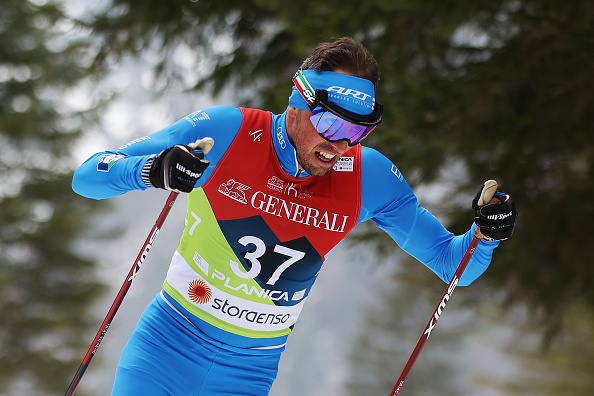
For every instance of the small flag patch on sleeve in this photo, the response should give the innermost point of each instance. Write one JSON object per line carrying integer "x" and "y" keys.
{"x": 107, "y": 160}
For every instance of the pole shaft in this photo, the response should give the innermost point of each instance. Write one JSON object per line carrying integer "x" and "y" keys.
{"x": 436, "y": 315}
{"x": 121, "y": 294}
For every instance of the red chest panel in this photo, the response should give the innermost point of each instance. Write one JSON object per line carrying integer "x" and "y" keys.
{"x": 249, "y": 182}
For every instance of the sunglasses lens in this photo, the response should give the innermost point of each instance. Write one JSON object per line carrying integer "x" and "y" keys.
{"x": 334, "y": 128}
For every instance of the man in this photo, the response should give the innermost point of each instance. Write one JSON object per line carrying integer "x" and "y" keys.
{"x": 266, "y": 205}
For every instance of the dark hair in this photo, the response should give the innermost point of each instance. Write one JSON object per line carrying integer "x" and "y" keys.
{"x": 347, "y": 54}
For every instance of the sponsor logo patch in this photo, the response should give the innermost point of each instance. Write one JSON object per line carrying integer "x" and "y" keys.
{"x": 284, "y": 208}
{"x": 256, "y": 135}
{"x": 234, "y": 190}
{"x": 199, "y": 292}
{"x": 396, "y": 172}
{"x": 201, "y": 263}
{"x": 351, "y": 95}
{"x": 196, "y": 116}
{"x": 280, "y": 136}
{"x": 345, "y": 164}
{"x": 288, "y": 188}
{"x": 142, "y": 139}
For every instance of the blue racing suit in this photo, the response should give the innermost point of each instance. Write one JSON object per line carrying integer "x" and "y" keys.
{"x": 237, "y": 283}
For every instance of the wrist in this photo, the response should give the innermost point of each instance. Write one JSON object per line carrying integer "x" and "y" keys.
{"x": 146, "y": 170}
{"x": 481, "y": 236}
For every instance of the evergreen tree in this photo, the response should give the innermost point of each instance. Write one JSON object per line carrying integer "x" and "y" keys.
{"x": 487, "y": 89}
{"x": 502, "y": 89}
{"x": 564, "y": 368}
{"x": 393, "y": 325}
{"x": 46, "y": 285}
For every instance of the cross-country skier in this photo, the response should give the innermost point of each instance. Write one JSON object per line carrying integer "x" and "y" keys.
{"x": 266, "y": 205}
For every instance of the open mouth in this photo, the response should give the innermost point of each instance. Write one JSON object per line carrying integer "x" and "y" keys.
{"x": 325, "y": 157}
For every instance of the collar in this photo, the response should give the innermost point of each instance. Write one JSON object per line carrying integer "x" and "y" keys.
{"x": 285, "y": 151}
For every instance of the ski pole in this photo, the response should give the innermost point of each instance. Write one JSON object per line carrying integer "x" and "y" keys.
{"x": 120, "y": 296}
{"x": 489, "y": 189}
{"x": 436, "y": 315}
{"x": 199, "y": 148}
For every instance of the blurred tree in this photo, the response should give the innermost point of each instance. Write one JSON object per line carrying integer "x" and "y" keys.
{"x": 477, "y": 348}
{"x": 45, "y": 283}
{"x": 387, "y": 340}
{"x": 484, "y": 89}
{"x": 564, "y": 369}
{"x": 494, "y": 89}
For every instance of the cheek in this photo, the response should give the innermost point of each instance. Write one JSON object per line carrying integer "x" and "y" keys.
{"x": 302, "y": 131}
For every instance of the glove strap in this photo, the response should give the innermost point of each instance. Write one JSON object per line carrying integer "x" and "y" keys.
{"x": 480, "y": 235}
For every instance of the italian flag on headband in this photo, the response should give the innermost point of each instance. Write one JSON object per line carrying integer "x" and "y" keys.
{"x": 304, "y": 88}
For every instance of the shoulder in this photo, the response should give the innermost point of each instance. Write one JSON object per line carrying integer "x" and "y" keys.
{"x": 219, "y": 116}
{"x": 382, "y": 184}
{"x": 377, "y": 167}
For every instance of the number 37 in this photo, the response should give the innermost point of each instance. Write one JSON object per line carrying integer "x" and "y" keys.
{"x": 253, "y": 257}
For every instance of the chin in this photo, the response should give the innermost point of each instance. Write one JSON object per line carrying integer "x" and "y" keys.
{"x": 317, "y": 171}
{"x": 313, "y": 167}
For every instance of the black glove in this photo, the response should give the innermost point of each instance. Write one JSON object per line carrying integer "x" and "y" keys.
{"x": 177, "y": 168}
{"x": 497, "y": 218}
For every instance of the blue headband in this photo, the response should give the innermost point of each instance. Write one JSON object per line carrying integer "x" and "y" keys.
{"x": 351, "y": 93}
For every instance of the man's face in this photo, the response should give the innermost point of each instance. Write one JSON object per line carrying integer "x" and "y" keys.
{"x": 315, "y": 154}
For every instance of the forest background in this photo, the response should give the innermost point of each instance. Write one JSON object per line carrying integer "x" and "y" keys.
{"x": 472, "y": 90}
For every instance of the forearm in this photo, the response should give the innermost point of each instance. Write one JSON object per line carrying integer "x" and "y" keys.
{"x": 98, "y": 179}
{"x": 442, "y": 251}
{"x": 446, "y": 263}
{"x": 116, "y": 172}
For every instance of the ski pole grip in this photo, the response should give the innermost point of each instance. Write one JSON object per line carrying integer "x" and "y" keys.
{"x": 204, "y": 145}
{"x": 489, "y": 190}
{"x": 486, "y": 197}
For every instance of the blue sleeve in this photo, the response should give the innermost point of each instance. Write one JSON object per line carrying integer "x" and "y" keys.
{"x": 389, "y": 201}
{"x": 115, "y": 172}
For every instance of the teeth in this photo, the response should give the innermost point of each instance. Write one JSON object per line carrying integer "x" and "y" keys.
{"x": 326, "y": 156}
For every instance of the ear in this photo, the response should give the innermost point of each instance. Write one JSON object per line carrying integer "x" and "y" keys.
{"x": 291, "y": 119}
{"x": 291, "y": 112}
